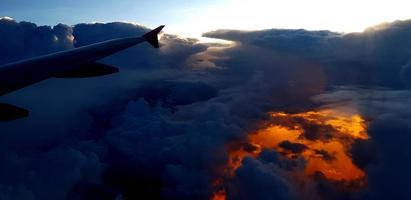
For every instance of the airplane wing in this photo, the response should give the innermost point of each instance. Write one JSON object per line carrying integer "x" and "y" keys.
{"x": 74, "y": 63}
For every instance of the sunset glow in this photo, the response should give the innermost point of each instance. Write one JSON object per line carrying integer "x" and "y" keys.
{"x": 322, "y": 138}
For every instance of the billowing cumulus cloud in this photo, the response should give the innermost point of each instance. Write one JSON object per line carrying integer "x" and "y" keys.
{"x": 167, "y": 125}
{"x": 373, "y": 57}
{"x": 24, "y": 39}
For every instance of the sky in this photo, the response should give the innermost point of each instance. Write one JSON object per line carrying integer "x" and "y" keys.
{"x": 191, "y": 18}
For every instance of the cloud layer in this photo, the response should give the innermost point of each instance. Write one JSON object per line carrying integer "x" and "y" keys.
{"x": 162, "y": 128}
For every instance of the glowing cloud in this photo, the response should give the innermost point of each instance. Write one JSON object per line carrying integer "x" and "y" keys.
{"x": 6, "y": 18}
{"x": 322, "y": 138}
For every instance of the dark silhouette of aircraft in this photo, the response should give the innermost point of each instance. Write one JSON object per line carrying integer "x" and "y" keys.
{"x": 74, "y": 63}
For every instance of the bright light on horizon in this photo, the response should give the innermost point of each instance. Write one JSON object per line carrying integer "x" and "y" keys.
{"x": 192, "y": 18}
{"x": 340, "y": 16}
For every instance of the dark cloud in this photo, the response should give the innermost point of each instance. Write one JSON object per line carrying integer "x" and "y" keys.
{"x": 326, "y": 155}
{"x": 255, "y": 180}
{"x": 176, "y": 93}
{"x": 389, "y": 178}
{"x": 20, "y": 40}
{"x": 48, "y": 175}
{"x": 314, "y": 131}
{"x": 299, "y": 42}
{"x": 293, "y": 147}
{"x": 406, "y": 74}
{"x": 384, "y": 156}
{"x": 373, "y": 57}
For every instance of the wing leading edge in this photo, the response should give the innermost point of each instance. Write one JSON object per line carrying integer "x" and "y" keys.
{"x": 74, "y": 63}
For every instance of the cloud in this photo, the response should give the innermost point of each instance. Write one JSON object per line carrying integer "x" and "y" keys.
{"x": 406, "y": 74}
{"x": 162, "y": 127}
{"x": 255, "y": 180}
{"x": 384, "y": 156}
{"x": 373, "y": 57}
{"x": 144, "y": 55}
{"x": 177, "y": 93}
{"x": 48, "y": 175}
{"x": 299, "y": 41}
{"x": 293, "y": 147}
{"x": 389, "y": 177}
{"x": 325, "y": 154}
{"x": 22, "y": 40}
{"x": 57, "y": 132}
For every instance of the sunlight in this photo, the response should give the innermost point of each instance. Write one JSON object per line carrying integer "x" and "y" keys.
{"x": 339, "y": 16}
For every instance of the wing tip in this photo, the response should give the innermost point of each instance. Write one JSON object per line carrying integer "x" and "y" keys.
{"x": 151, "y": 37}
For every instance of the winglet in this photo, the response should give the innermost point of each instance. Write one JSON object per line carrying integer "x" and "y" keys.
{"x": 152, "y": 38}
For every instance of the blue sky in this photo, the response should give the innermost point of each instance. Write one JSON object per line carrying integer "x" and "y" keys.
{"x": 191, "y": 18}
{"x": 50, "y": 12}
